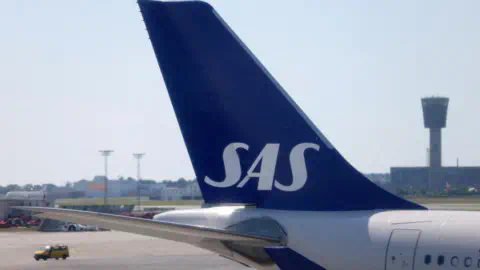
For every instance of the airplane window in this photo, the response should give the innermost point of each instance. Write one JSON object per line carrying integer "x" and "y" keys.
{"x": 454, "y": 261}
{"x": 468, "y": 262}
{"x": 428, "y": 259}
{"x": 441, "y": 260}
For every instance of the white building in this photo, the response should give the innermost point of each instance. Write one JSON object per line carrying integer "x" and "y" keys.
{"x": 129, "y": 187}
{"x": 192, "y": 191}
{"x": 171, "y": 194}
{"x": 152, "y": 189}
{"x": 116, "y": 188}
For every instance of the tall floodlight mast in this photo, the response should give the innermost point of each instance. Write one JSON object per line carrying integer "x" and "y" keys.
{"x": 106, "y": 154}
{"x": 138, "y": 156}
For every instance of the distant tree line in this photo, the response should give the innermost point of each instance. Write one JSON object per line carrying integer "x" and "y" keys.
{"x": 14, "y": 187}
{"x": 180, "y": 183}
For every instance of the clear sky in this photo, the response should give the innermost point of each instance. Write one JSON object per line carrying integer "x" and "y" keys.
{"x": 79, "y": 76}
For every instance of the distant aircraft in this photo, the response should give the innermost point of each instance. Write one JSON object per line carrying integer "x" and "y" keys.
{"x": 283, "y": 197}
{"x": 27, "y": 195}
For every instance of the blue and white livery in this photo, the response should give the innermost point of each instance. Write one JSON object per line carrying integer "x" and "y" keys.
{"x": 282, "y": 196}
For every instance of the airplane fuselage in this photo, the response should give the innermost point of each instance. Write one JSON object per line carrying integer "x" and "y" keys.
{"x": 370, "y": 240}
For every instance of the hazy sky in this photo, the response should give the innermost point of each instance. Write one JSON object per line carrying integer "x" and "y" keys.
{"x": 79, "y": 76}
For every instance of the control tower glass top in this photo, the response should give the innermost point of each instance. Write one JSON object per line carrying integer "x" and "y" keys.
{"x": 435, "y": 112}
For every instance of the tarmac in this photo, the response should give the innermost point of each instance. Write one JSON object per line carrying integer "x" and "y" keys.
{"x": 106, "y": 250}
{"x": 117, "y": 250}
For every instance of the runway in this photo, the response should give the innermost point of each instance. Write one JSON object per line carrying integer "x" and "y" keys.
{"x": 106, "y": 250}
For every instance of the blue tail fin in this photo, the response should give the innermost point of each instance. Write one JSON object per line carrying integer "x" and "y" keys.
{"x": 248, "y": 141}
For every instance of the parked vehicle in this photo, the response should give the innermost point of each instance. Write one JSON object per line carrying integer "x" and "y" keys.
{"x": 34, "y": 222}
{"x": 72, "y": 227}
{"x": 16, "y": 222}
{"x": 90, "y": 228}
{"x": 52, "y": 252}
{"x": 4, "y": 224}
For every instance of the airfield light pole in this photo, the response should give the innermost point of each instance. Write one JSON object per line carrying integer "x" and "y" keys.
{"x": 138, "y": 156}
{"x": 106, "y": 154}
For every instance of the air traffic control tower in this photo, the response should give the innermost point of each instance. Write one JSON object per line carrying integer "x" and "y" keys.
{"x": 435, "y": 118}
{"x": 435, "y": 178}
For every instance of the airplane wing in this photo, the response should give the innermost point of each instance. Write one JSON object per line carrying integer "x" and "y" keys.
{"x": 172, "y": 231}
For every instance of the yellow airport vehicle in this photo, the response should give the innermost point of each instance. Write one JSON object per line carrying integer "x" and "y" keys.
{"x": 52, "y": 252}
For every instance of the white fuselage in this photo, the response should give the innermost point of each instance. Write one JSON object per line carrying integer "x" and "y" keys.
{"x": 366, "y": 240}
{"x": 26, "y": 195}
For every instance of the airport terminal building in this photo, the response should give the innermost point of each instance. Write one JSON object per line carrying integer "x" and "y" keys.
{"x": 424, "y": 179}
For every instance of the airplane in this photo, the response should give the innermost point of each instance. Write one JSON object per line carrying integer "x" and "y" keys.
{"x": 280, "y": 195}
{"x": 28, "y": 195}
